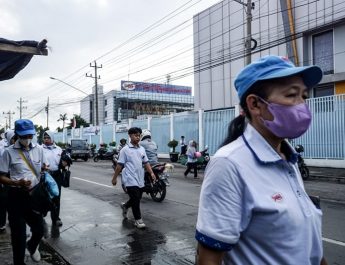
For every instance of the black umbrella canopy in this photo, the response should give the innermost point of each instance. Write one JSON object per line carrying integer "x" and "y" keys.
{"x": 15, "y": 55}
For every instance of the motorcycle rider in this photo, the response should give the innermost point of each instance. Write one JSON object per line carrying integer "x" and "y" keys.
{"x": 122, "y": 144}
{"x": 150, "y": 146}
{"x": 102, "y": 149}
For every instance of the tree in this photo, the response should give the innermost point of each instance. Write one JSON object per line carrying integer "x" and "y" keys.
{"x": 63, "y": 118}
{"x": 39, "y": 132}
{"x": 79, "y": 122}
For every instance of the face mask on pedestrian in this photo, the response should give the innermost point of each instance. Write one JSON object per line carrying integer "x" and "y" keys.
{"x": 289, "y": 121}
{"x": 25, "y": 142}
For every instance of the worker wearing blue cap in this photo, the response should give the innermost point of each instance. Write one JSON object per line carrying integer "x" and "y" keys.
{"x": 253, "y": 206}
{"x": 24, "y": 161}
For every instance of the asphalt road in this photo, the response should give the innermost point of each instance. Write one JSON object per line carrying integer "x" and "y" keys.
{"x": 179, "y": 210}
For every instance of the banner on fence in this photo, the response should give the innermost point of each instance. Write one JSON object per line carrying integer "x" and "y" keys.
{"x": 92, "y": 130}
{"x": 122, "y": 127}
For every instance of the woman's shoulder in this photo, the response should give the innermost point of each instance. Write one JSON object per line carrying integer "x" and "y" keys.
{"x": 233, "y": 150}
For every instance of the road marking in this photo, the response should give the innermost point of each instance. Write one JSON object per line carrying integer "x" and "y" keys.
{"x": 100, "y": 184}
{"x": 333, "y": 241}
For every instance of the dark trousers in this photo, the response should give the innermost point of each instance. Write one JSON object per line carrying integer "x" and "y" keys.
{"x": 3, "y": 204}
{"x": 135, "y": 193}
{"x": 55, "y": 213}
{"x": 20, "y": 214}
{"x": 192, "y": 166}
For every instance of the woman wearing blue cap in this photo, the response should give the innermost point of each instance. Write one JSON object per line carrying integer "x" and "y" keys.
{"x": 253, "y": 206}
{"x": 24, "y": 162}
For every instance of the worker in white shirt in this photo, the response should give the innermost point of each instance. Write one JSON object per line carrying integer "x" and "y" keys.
{"x": 24, "y": 161}
{"x": 53, "y": 153}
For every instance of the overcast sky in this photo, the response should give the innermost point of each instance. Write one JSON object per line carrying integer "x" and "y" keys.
{"x": 137, "y": 40}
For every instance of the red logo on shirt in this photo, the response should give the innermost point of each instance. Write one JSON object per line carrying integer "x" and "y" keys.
{"x": 277, "y": 197}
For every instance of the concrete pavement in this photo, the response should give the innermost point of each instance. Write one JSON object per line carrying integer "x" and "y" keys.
{"x": 94, "y": 232}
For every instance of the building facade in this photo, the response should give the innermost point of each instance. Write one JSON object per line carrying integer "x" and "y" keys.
{"x": 307, "y": 32}
{"x": 136, "y": 100}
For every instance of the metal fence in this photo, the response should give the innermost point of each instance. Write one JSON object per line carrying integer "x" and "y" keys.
{"x": 324, "y": 139}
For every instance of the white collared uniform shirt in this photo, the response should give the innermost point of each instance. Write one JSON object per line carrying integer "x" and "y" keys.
{"x": 132, "y": 159}
{"x": 53, "y": 155}
{"x": 253, "y": 206}
{"x": 13, "y": 163}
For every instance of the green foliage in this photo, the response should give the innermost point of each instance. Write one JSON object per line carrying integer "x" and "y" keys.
{"x": 39, "y": 132}
{"x": 92, "y": 146}
{"x": 172, "y": 144}
{"x": 113, "y": 143}
{"x": 79, "y": 122}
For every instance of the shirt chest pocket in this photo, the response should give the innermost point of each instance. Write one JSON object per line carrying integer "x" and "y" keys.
{"x": 18, "y": 166}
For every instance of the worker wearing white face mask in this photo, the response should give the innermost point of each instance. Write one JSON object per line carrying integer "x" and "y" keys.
{"x": 24, "y": 162}
{"x": 53, "y": 154}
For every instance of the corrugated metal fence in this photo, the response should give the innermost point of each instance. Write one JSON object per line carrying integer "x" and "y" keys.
{"x": 324, "y": 139}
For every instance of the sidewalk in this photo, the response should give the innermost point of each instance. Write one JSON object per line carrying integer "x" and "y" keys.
{"x": 94, "y": 232}
{"x": 48, "y": 255}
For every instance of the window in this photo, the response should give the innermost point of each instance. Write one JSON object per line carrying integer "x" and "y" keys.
{"x": 105, "y": 114}
{"x": 323, "y": 55}
{"x": 323, "y": 103}
{"x": 324, "y": 90}
{"x": 105, "y": 102}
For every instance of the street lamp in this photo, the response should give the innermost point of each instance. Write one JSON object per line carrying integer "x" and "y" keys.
{"x": 54, "y": 78}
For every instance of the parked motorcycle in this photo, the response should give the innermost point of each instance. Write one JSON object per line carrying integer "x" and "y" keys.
{"x": 301, "y": 164}
{"x": 157, "y": 189}
{"x": 104, "y": 155}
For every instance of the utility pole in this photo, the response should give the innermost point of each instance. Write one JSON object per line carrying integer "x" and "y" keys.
{"x": 96, "y": 86}
{"x": 9, "y": 113}
{"x": 249, "y": 33}
{"x": 21, "y": 107}
{"x": 248, "y": 41}
{"x": 47, "y": 110}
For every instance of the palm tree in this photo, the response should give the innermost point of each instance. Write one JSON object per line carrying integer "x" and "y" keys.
{"x": 63, "y": 118}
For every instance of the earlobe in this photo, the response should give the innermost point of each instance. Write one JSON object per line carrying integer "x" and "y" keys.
{"x": 252, "y": 104}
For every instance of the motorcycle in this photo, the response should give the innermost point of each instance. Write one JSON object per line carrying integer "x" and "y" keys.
{"x": 104, "y": 155}
{"x": 301, "y": 164}
{"x": 202, "y": 161}
{"x": 157, "y": 189}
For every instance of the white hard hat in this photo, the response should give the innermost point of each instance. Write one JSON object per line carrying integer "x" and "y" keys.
{"x": 144, "y": 133}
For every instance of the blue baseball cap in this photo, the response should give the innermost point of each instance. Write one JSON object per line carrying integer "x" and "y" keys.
{"x": 24, "y": 127}
{"x": 272, "y": 67}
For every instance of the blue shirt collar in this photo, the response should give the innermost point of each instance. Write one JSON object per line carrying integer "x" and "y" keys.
{"x": 261, "y": 149}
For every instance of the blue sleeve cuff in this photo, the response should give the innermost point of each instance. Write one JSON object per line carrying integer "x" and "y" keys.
{"x": 212, "y": 243}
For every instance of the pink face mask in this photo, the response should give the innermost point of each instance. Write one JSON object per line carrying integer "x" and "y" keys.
{"x": 289, "y": 121}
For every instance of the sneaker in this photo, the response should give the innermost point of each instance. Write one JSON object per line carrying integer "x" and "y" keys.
{"x": 36, "y": 256}
{"x": 139, "y": 223}
{"x": 124, "y": 210}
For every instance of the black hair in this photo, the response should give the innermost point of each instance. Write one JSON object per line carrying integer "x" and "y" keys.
{"x": 238, "y": 124}
{"x": 123, "y": 140}
{"x": 134, "y": 130}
